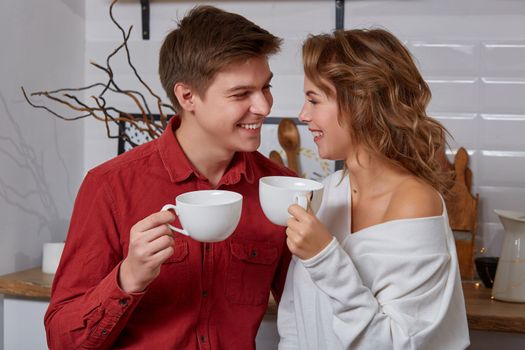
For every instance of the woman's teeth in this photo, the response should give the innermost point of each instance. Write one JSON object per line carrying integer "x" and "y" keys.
{"x": 250, "y": 126}
{"x": 317, "y": 133}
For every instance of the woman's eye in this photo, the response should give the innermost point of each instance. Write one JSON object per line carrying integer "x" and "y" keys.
{"x": 312, "y": 102}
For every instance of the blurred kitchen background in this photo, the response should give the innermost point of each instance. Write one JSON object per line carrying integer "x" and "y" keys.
{"x": 471, "y": 52}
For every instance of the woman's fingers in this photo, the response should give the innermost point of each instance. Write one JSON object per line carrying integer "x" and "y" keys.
{"x": 297, "y": 211}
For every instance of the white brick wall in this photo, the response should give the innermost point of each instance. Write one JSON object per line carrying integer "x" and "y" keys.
{"x": 472, "y": 53}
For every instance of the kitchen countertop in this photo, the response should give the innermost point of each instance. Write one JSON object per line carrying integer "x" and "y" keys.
{"x": 487, "y": 314}
{"x": 32, "y": 283}
{"x": 483, "y": 313}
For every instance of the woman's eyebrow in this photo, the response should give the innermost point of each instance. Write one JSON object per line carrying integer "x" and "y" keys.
{"x": 311, "y": 92}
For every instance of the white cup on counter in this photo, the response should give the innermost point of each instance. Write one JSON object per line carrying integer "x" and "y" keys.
{"x": 51, "y": 254}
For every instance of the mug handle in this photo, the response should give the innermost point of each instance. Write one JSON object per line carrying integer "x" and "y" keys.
{"x": 303, "y": 199}
{"x": 173, "y": 228}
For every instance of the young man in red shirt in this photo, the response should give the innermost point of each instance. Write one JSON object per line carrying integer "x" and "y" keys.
{"x": 124, "y": 280}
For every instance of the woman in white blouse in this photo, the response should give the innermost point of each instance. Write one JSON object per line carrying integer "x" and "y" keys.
{"x": 377, "y": 267}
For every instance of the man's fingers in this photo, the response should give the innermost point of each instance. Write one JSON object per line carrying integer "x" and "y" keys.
{"x": 160, "y": 243}
{"x": 163, "y": 255}
{"x": 156, "y": 232}
{"x": 154, "y": 220}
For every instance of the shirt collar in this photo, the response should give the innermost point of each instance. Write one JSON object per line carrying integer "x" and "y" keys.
{"x": 180, "y": 168}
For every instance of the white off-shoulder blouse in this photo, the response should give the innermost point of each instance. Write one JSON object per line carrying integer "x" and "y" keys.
{"x": 394, "y": 285}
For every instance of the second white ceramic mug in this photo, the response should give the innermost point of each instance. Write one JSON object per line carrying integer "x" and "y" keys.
{"x": 207, "y": 215}
{"x": 277, "y": 193}
{"x": 51, "y": 254}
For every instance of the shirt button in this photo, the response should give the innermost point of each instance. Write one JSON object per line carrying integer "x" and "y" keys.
{"x": 205, "y": 293}
{"x": 203, "y": 339}
{"x": 207, "y": 247}
{"x": 104, "y": 332}
{"x": 253, "y": 253}
{"x": 123, "y": 302}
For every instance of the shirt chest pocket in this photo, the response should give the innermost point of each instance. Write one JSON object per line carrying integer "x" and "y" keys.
{"x": 250, "y": 272}
{"x": 172, "y": 282}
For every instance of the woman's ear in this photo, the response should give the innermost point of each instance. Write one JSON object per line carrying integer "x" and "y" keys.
{"x": 185, "y": 95}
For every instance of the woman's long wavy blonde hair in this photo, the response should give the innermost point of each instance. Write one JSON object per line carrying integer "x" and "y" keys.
{"x": 381, "y": 96}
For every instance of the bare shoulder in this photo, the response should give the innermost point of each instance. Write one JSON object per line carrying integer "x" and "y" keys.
{"x": 414, "y": 198}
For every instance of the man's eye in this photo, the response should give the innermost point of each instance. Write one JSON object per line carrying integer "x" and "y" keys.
{"x": 268, "y": 87}
{"x": 241, "y": 94}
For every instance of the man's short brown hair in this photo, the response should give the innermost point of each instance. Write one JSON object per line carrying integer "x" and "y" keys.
{"x": 206, "y": 40}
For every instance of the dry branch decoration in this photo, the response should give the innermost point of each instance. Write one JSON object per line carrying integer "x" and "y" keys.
{"x": 99, "y": 109}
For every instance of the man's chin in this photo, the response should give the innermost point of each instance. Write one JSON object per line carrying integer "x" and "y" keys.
{"x": 252, "y": 147}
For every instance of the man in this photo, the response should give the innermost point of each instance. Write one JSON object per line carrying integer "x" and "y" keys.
{"x": 125, "y": 280}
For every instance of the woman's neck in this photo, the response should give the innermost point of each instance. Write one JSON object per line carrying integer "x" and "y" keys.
{"x": 371, "y": 175}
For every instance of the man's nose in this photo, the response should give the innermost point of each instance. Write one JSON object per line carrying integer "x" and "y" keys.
{"x": 261, "y": 104}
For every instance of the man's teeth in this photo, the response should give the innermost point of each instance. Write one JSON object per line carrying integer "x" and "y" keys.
{"x": 251, "y": 126}
{"x": 317, "y": 133}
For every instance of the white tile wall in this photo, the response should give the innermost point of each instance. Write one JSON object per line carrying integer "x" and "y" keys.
{"x": 459, "y": 95}
{"x": 502, "y": 132}
{"x": 446, "y": 58}
{"x": 462, "y": 126}
{"x": 472, "y": 53}
{"x": 503, "y": 58}
{"x": 502, "y": 95}
{"x": 502, "y": 168}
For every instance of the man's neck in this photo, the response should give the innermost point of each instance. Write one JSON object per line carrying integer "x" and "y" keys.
{"x": 208, "y": 158}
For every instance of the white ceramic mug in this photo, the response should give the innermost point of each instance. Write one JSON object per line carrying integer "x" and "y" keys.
{"x": 277, "y": 193}
{"x": 51, "y": 254}
{"x": 207, "y": 215}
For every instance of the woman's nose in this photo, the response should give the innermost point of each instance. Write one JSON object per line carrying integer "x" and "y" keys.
{"x": 304, "y": 116}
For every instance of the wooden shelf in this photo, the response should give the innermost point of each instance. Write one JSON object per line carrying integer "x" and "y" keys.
{"x": 32, "y": 283}
{"x": 483, "y": 313}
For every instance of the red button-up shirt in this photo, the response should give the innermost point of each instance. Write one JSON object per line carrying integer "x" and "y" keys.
{"x": 207, "y": 296}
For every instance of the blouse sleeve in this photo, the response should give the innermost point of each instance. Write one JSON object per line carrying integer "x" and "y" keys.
{"x": 410, "y": 298}
{"x": 286, "y": 322}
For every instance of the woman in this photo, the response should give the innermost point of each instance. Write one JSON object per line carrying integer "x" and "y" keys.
{"x": 377, "y": 268}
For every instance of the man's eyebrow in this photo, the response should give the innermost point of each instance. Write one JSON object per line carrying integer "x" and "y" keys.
{"x": 247, "y": 87}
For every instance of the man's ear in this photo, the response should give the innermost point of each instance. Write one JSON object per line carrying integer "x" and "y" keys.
{"x": 185, "y": 95}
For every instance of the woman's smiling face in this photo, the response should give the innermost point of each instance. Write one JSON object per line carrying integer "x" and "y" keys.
{"x": 321, "y": 113}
